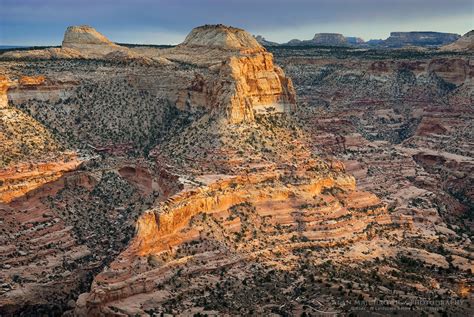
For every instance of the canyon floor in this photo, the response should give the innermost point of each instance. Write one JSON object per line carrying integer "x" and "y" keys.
{"x": 219, "y": 177}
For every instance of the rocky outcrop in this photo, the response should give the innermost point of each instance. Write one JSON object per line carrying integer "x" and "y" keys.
{"x": 321, "y": 39}
{"x": 400, "y": 39}
{"x": 234, "y": 76}
{"x": 464, "y": 44}
{"x": 55, "y": 239}
{"x": 30, "y": 156}
{"x": 89, "y": 42}
{"x": 79, "y": 42}
{"x": 329, "y": 39}
{"x": 238, "y": 201}
{"x": 252, "y": 85}
{"x": 222, "y": 37}
{"x": 4, "y": 85}
{"x": 22, "y": 178}
{"x": 452, "y": 70}
{"x": 22, "y": 138}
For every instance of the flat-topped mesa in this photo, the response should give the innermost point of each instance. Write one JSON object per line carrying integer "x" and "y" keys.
{"x": 222, "y": 37}
{"x": 400, "y": 39}
{"x": 4, "y": 84}
{"x": 88, "y": 41}
{"x": 334, "y": 39}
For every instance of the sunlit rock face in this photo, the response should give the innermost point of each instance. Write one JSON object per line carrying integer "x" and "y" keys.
{"x": 204, "y": 189}
{"x": 243, "y": 79}
{"x": 252, "y": 85}
{"x": 29, "y": 154}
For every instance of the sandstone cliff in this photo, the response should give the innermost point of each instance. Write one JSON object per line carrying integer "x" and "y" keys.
{"x": 234, "y": 76}
{"x": 233, "y": 223}
{"x": 89, "y": 42}
{"x": 248, "y": 82}
{"x": 222, "y": 37}
{"x": 22, "y": 138}
{"x": 238, "y": 202}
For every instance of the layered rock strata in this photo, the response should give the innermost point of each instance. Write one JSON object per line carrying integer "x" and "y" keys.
{"x": 30, "y": 155}
{"x": 249, "y": 216}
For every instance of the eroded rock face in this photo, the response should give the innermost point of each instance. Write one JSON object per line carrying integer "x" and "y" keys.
{"x": 243, "y": 79}
{"x": 250, "y": 85}
{"x": 239, "y": 78}
{"x": 55, "y": 239}
{"x": 88, "y": 41}
{"x": 464, "y": 44}
{"x": 234, "y": 77}
{"x": 30, "y": 156}
{"x": 233, "y": 222}
{"x": 222, "y": 37}
{"x": 83, "y": 35}
{"x": 240, "y": 214}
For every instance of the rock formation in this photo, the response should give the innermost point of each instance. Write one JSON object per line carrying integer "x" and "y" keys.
{"x": 30, "y": 156}
{"x": 88, "y": 42}
{"x": 204, "y": 189}
{"x": 464, "y": 44}
{"x": 321, "y": 39}
{"x": 238, "y": 77}
{"x": 400, "y": 39}
{"x": 329, "y": 39}
{"x": 79, "y": 42}
{"x": 222, "y": 37}
{"x": 260, "y": 39}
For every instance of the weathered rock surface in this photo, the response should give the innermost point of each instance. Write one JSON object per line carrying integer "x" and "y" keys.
{"x": 58, "y": 236}
{"x": 30, "y": 155}
{"x": 239, "y": 203}
{"x": 222, "y": 37}
{"x": 464, "y": 44}
{"x": 234, "y": 76}
{"x": 89, "y": 42}
{"x": 234, "y": 222}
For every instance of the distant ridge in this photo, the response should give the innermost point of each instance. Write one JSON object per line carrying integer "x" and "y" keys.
{"x": 7, "y": 47}
{"x": 395, "y": 40}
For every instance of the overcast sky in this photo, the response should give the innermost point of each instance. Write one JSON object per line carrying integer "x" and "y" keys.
{"x": 42, "y": 22}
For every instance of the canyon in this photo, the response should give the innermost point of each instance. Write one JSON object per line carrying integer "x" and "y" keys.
{"x": 222, "y": 177}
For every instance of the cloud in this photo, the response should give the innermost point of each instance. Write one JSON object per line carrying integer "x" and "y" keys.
{"x": 43, "y": 21}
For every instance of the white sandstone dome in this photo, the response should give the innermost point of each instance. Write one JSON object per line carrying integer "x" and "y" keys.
{"x": 222, "y": 37}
